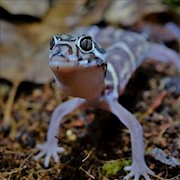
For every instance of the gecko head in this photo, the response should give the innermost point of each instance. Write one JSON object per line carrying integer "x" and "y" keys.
{"x": 78, "y": 64}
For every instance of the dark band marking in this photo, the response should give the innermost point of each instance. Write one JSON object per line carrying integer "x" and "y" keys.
{"x": 77, "y": 51}
{"x": 69, "y": 48}
{"x": 101, "y": 50}
{"x": 68, "y": 38}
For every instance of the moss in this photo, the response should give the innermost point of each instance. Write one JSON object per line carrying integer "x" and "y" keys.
{"x": 112, "y": 168}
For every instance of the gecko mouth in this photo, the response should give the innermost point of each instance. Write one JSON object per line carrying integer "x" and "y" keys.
{"x": 61, "y": 62}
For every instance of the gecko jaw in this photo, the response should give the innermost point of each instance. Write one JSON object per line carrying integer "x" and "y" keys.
{"x": 60, "y": 62}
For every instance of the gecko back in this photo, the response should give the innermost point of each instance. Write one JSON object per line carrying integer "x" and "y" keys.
{"x": 126, "y": 51}
{"x": 124, "y": 57}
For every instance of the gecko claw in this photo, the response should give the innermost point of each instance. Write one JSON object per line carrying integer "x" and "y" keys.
{"x": 48, "y": 150}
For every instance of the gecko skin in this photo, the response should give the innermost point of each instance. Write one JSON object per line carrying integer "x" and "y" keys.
{"x": 95, "y": 77}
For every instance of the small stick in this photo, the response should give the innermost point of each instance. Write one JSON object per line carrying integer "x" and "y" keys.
{"x": 154, "y": 105}
{"x": 87, "y": 173}
{"x": 8, "y": 119}
{"x": 87, "y": 156}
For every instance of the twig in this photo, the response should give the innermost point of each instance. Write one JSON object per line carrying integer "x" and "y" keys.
{"x": 8, "y": 119}
{"x": 154, "y": 105}
{"x": 12, "y": 152}
{"x": 57, "y": 94}
{"x": 158, "y": 177}
{"x": 87, "y": 173}
{"x": 163, "y": 130}
{"x": 104, "y": 178}
{"x": 25, "y": 160}
{"x": 175, "y": 178}
{"x": 11, "y": 172}
{"x": 87, "y": 156}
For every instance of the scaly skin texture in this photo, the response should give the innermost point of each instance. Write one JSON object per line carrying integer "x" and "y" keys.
{"x": 96, "y": 78}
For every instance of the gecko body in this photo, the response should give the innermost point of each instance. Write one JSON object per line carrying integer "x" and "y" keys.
{"x": 95, "y": 77}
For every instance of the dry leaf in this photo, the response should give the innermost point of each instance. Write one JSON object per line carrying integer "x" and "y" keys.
{"x": 31, "y": 7}
{"x": 129, "y": 12}
{"x": 24, "y": 48}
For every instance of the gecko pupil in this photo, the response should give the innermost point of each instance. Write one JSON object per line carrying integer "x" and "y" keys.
{"x": 52, "y": 43}
{"x": 86, "y": 43}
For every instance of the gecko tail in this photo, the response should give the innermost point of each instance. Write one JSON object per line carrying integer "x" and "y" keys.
{"x": 163, "y": 54}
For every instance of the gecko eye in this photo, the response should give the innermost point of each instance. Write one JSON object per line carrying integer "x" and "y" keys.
{"x": 86, "y": 44}
{"x": 52, "y": 43}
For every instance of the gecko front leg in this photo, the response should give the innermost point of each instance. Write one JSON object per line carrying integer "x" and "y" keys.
{"x": 50, "y": 147}
{"x": 138, "y": 166}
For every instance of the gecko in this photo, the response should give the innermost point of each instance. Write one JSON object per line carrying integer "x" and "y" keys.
{"x": 96, "y": 76}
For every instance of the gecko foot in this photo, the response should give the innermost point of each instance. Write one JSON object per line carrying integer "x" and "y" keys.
{"x": 48, "y": 150}
{"x": 137, "y": 170}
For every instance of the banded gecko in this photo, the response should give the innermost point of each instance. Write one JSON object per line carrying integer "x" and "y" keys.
{"x": 95, "y": 78}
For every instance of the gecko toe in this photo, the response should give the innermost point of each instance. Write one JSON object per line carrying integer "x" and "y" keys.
{"x": 146, "y": 177}
{"x": 39, "y": 155}
{"x": 47, "y": 160}
{"x": 40, "y": 146}
{"x": 137, "y": 176}
{"x": 127, "y": 177}
{"x": 128, "y": 168}
{"x": 56, "y": 157}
